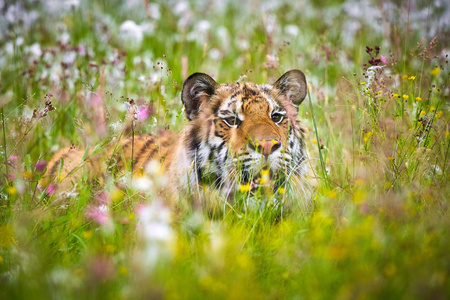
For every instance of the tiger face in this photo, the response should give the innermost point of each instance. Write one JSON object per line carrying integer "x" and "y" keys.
{"x": 245, "y": 133}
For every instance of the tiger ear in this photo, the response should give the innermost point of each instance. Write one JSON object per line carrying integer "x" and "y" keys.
{"x": 293, "y": 86}
{"x": 197, "y": 89}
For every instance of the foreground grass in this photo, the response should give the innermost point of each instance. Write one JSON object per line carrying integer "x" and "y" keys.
{"x": 379, "y": 223}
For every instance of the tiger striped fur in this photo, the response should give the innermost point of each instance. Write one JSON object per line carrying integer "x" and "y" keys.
{"x": 235, "y": 133}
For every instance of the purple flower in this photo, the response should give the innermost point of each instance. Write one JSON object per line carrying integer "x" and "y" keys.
{"x": 50, "y": 189}
{"x": 40, "y": 165}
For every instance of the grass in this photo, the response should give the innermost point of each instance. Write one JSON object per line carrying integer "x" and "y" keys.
{"x": 379, "y": 138}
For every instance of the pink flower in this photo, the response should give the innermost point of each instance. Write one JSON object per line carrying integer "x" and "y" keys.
{"x": 98, "y": 214}
{"x": 96, "y": 99}
{"x": 80, "y": 49}
{"x": 40, "y": 165}
{"x": 101, "y": 269}
{"x": 272, "y": 62}
{"x": 383, "y": 59}
{"x": 142, "y": 113}
{"x": 50, "y": 189}
{"x": 11, "y": 176}
{"x": 103, "y": 198}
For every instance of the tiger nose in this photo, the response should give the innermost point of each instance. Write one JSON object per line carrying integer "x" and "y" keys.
{"x": 265, "y": 147}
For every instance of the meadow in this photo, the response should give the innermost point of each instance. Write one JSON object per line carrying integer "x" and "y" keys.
{"x": 88, "y": 72}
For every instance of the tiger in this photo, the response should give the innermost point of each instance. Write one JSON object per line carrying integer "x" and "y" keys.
{"x": 245, "y": 136}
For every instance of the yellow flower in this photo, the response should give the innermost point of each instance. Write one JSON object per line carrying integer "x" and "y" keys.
{"x": 11, "y": 190}
{"x": 359, "y": 182}
{"x": 362, "y": 83}
{"x": 365, "y": 139}
{"x": 405, "y": 97}
{"x": 265, "y": 172}
{"x": 439, "y": 114}
{"x": 405, "y": 76}
{"x": 435, "y": 71}
{"x": 244, "y": 188}
{"x": 390, "y": 158}
{"x": 116, "y": 195}
{"x": 369, "y": 133}
{"x": 281, "y": 190}
{"x": 314, "y": 141}
{"x": 447, "y": 133}
{"x": 27, "y": 174}
{"x": 87, "y": 234}
{"x": 432, "y": 108}
{"x": 418, "y": 99}
{"x": 411, "y": 77}
{"x": 332, "y": 194}
{"x": 423, "y": 113}
{"x": 395, "y": 95}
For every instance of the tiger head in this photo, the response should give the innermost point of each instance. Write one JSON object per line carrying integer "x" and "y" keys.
{"x": 246, "y": 133}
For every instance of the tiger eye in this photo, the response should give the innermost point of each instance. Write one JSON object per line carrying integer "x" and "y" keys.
{"x": 232, "y": 121}
{"x": 277, "y": 118}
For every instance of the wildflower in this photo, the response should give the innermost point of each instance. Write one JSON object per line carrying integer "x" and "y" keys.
{"x": 405, "y": 97}
{"x": 116, "y": 195}
{"x": 27, "y": 174}
{"x": 418, "y": 99}
{"x": 435, "y": 71}
{"x": 432, "y": 108}
{"x": 87, "y": 234}
{"x": 383, "y": 59}
{"x": 390, "y": 158}
{"x": 332, "y": 194}
{"x": 142, "y": 113}
{"x": 359, "y": 196}
{"x": 272, "y": 62}
{"x": 439, "y": 114}
{"x": 411, "y": 78}
{"x": 244, "y": 188}
{"x": 314, "y": 141}
{"x": 265, "y": 172}
{"x": 422, "y": 113}
{"x": 102, "y": 269}
{"x": 103, "y": 198}
{"x": 11, "y": 190}
{"x": 40, "y": 165}
{"x": 50, "y": 189}
{"x": 281, "y": 190}
{"x": 98, "y": 214}
{"x": 395, "y": 95}
{"x": 405, "y": 76}
{"x": 363, "y": 83}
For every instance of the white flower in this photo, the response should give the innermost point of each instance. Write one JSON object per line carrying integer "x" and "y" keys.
{"x": 154, "y": 11}
{"x": 292, "y": 30}
{"x": 35, "y": 50}
{"x": 215, "y": 54}
{"x": 132, "y": 32}
{"x": 203, "y": 25}
{"x": 65, "y": 38}
{"x": 69, "y": 57}
{"x": 180, "y": 8}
